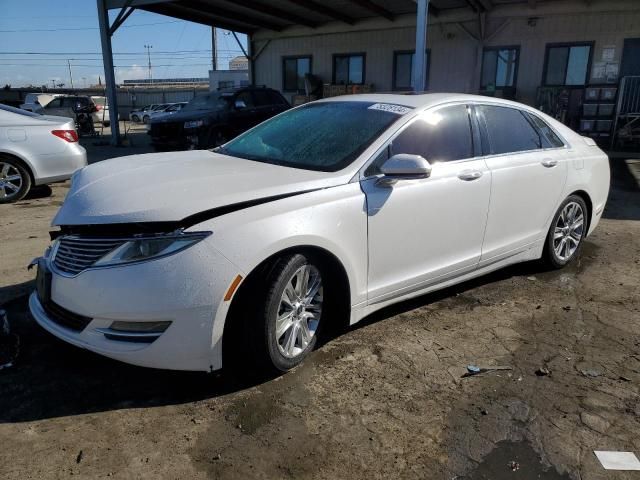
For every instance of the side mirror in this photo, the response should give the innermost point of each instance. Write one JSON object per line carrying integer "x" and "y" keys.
{"x": 404, "y": 166}
{"x": 240, "y": 104}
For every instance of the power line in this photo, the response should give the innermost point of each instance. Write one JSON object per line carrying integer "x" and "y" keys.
{"x": 87, "y": 28}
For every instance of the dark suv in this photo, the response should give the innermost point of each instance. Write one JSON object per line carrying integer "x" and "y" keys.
{"x": 211, "y": 119}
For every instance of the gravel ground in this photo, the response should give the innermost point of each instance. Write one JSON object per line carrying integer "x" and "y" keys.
{"x": 384, "y": 400}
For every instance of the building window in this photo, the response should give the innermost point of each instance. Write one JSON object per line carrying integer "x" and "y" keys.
{"x": 348, "y": 69}
{"x": 499, "y": 68}
{"x": 403, "y": 70}
{"x": 293, "y": 71}
{"x": 567, "y": 64}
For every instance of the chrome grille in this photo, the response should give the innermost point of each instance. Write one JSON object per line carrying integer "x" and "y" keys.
{"x": 75, "y": 254}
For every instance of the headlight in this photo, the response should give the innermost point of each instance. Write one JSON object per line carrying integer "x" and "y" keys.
{"x": 193, "y": 123}
{"x": 147, "y": 248}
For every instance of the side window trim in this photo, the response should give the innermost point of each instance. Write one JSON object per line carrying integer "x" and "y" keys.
{"x": 482, "y": 120}
{"x": 387, "y": 144}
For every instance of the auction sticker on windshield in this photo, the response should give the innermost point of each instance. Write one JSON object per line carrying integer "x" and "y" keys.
{"x": 389, "y": 107}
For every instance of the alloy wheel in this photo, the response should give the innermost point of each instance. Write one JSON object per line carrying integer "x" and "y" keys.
{"x": 10, "y": 181}
{"x": 299, "y": 311}
{"x": 568, "y": 231}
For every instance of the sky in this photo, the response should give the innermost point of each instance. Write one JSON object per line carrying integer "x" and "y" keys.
{"x": 38, "y": 38}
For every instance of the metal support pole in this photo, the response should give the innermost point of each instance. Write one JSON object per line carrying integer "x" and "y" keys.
{"x": 109, "y": 74}
{"x": 214, "y": 49}
{"x": 419, "y": 65}
{"x": 70, "y": 74}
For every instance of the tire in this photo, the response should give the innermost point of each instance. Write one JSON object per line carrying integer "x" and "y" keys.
{"x": 106, "y": 124}
{"x": 286, "y": 325}
{"x": 146, "y": 119}
{"x": 567, "y": 232}
{"x": 15, "y": 181}
{"x": 135, "y": 118}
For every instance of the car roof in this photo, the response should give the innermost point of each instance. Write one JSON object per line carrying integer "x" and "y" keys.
{"x": 422, "y": 100}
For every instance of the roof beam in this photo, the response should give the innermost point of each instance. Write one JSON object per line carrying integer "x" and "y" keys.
{"x": 274, "y": 12}
{"x": 319, "y": 8}
{"x": 234, "y": 16}
{"x": 377, "y": 9}
{"x": 199, "y": 17}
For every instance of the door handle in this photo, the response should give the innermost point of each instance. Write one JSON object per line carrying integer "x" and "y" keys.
{"x": 470, "y": 175}
{"x": 549, "y": 162}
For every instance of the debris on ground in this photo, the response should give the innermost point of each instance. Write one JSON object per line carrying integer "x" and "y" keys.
{"x": 566, "y": 308}
{"x": 473, "y": 370}
{"x": 543, "y": 372}
{"x": 618, "y": 460}
{"x": 513, "y": 465}
{"x": 590, "y": 373}
{"x": 79, "y": 457}
{"x": 532, "y": 279}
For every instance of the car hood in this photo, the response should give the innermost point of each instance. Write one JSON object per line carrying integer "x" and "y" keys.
{"x": 169, "y": 187}
{"x": 183, "y": 116}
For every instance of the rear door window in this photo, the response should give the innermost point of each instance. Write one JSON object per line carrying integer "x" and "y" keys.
{"x": 443, "y": 135}
{"x": 509, "y": 130}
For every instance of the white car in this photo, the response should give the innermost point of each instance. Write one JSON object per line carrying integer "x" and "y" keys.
{"x": 169, "y": 109}
{"x": 35, "y": 150}
{"x": 33, "y": 102}
{"x": 144, "y": 114}
{"x": 322, "y": 214}
{"x": 101, "y": 115}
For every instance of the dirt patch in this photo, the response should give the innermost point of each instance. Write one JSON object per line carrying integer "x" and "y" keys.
{"x": 384, "y": 400}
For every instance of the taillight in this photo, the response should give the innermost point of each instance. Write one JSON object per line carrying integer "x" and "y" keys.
{"x": 68, "y": 135}
{"x": 98, "y": 107}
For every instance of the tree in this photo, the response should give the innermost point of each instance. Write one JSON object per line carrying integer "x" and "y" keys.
{"x": 7, "y": 87}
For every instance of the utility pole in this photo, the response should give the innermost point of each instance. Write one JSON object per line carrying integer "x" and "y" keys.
{"x": 214, "y": 48}
{"x": 149, "y": 47}
{"x": 53, "y": 83}
{"x": 70, "y": 74}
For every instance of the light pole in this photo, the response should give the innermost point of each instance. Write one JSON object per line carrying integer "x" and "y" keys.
{"x": 53, "y": 83}
{"x": 149, "y": 47}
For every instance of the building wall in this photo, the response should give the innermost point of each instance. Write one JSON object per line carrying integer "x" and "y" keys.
{"x": 454, "y": 53}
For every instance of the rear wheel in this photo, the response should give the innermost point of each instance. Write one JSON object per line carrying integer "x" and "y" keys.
{"x": 135, "y": 118}
{"x": 15, "y": 181}
{"x": 567, "y": 231}
{"x": 146, "y": 119}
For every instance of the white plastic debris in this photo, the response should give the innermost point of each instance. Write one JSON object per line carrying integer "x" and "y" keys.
{"x": 618, "y": 460}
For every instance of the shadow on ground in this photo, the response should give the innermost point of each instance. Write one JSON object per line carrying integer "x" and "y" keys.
{"x": 52, "y": 378}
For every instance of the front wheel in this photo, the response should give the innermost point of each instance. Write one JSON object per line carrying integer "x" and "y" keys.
{"x": 291, "y": 312}
{"x": 567, "y": 231}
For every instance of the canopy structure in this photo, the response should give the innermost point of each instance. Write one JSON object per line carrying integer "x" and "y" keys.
{"x": 249, "y": 16}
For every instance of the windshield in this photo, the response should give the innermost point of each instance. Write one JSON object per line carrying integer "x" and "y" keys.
{"x": 18, "y": 111}
{"x": 210, "y": 101}
{"x": 325, "y": 136}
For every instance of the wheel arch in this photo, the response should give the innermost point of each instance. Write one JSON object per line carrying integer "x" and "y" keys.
{"x": 23, "y": 161}
{"x": 234, "y": 326}
{"x": 587, "y": 200}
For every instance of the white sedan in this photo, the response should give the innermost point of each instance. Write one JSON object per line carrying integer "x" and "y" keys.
{"x": 322, "y": 214}
{"x": 35, "y": 150}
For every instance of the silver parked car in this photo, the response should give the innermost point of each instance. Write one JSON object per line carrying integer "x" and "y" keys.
{"x": 33, "y": 102}
{"x": 35, "y": 150}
